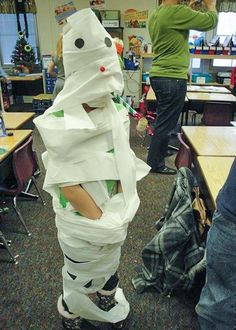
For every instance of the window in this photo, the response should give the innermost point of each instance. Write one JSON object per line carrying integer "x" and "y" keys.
{"x": 9, "y": 35}
{"x": 226, "y": 27}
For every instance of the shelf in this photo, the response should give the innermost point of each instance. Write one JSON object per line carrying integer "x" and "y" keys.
{"x": 203, "y": 56}
{"x": 146, "y": 55}
{"x": 213, "y": 57}
{"x": 209, "y": 84}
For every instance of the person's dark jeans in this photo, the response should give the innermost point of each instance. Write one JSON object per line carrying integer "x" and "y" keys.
{"x": 170, "y": 94}
{"x": 217, "y": 305}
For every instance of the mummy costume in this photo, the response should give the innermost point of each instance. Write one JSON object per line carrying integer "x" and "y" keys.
{"x": 91, "y": 149}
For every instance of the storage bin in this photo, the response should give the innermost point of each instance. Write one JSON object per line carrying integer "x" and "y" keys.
{"x": 223, "y": 77}
{"x": 201, "y": 78}
{"x": 41, "y": 103}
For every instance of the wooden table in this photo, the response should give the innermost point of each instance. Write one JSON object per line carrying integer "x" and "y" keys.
{"x": 215, "y": 171}
{"x": 25, "y": 78}
{"x": 211, "y": 140}
{"x": 14, "y": 120}
{"x": 10, "y": 143}
{"x": 213, "y": 97}
{"x": 152, "y": 97}
{"x": 29, "y": 85}
{"x": 208, "y": 89}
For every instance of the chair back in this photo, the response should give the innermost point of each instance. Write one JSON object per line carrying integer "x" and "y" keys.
{"x": 184, "y": 155}
{"x": 23, "y": 163}
{"x": 217, "y": 114}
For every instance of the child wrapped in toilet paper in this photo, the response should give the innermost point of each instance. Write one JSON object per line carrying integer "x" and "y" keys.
{"x": 87, "y": 149}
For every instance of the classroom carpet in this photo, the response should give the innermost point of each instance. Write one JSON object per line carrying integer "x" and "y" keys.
{"x": 29, "y": 290}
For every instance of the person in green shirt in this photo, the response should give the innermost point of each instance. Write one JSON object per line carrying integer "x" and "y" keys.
{"x": 169, "y": 27}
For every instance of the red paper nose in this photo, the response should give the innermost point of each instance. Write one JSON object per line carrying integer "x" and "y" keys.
{"x": 102, "y": 69}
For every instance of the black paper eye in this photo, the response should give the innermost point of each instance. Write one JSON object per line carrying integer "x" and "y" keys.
{"x": 108, "y": 42}
{"x": 79, "y": 43}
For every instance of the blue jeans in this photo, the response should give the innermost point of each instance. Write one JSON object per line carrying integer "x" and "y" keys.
{"x": 170, "y": 94}
{"x": 217, "y": 305}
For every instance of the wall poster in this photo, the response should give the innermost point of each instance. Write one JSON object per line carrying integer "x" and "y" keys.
{"x": 97, "y": 4}
{"x": 135, "y": 19}
{"x": 64, "y": 11}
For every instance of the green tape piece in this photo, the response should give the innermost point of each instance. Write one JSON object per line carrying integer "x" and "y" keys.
{"x": 63, "y": 201}
{"x": 58, "y": 114}
{"x": 3, "y": 151}
{"x": 77, "y": 213}
{"x": 111, "y": 187}
{"x": 119, "y": 107}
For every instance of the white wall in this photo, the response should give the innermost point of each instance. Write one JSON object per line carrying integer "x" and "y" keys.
{"x": 48, "y": 28}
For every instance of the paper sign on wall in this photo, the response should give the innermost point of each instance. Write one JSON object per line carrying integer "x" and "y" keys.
{"x": 136, "y": 44}
{"x": 97, "y": 4}
{"x": 135, "y": 19}
{"x": 64, "y": 11}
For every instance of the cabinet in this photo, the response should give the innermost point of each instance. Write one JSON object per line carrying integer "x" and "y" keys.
{"x": 208, "y": 57}
{"x": 145, "y": 58}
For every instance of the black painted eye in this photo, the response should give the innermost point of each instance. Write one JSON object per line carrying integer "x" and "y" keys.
{"x": 108, "y": 42}
{"x": 79, "y": 43}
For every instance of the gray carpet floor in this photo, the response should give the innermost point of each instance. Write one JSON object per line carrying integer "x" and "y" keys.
{"x": 29, "y": 290}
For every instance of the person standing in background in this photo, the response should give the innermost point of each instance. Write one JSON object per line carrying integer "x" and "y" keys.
{"x": 217, "y": 306}
{"x": 232, "y": 85}
{"x": 57, "y": 61}
{"x": 169, "y": 27}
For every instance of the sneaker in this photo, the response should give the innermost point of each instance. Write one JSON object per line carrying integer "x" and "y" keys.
{"x": 166, "y": 170}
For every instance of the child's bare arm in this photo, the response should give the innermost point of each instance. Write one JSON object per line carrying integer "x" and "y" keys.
{"x": 82, "y": 202}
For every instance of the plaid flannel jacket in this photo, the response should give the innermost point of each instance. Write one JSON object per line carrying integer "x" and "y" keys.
{"x": 176, "y": 247}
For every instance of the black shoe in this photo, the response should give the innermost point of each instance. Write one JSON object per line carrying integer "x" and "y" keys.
{"x": 106, "y": 303}
{"x": 166, "y": 170}
{"x": 71, "y": 324}
{"x": 121, "y": 324}
{"x": 169, "y": 153}
{"x": 78, "y": 324}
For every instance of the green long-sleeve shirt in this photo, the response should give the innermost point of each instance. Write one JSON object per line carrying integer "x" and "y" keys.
{"x": 169, "y": 27}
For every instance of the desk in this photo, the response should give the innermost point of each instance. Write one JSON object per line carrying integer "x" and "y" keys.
{"x": 14, "y": 120}
{"x": 213, "y": 97}
{"x": 215, "y": 171}
{"x": 12, "y": 142}
{"x": 152, "y": 97}
{"x": 25, "y": 78}
{"x": 207, "y": 89}
{"x": 211, "y": 140}
{"x": 30, "y": 85}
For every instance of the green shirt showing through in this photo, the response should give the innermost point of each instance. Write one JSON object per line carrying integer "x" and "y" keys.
{"x": 169, "y": 27}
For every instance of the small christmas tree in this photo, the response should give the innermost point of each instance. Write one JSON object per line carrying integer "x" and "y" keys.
{"x": 23, "y": 55}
